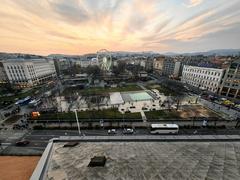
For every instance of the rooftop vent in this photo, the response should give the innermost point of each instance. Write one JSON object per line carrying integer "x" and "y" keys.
{"x": 70, "y": 144}
{"x": 97, "y": 161}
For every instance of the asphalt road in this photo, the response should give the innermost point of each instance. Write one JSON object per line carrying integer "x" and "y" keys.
{"x": 40, "y": 138}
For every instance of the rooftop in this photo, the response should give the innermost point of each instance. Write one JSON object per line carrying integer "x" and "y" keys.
{"x": 146, "y": 160}
{"x": 133, "y": 96}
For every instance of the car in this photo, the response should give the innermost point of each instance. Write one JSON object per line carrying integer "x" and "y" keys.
{"x": 22, "y": 143}
{"x": 112, "y": 131}
{"x": 128, "y": 131}
{"x": 16, "y": 126}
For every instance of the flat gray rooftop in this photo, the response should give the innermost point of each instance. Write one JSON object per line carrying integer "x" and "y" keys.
{"x": 132, "y": 96}
{"x": 146, "y": 160}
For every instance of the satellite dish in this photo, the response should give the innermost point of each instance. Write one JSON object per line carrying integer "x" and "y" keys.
{"x": 104, "y": 59}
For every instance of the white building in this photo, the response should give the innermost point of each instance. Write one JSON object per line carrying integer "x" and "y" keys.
{"x": 203, "y": 78}
{"x": 88, "y": 62}
{"x": 26, "y": 73}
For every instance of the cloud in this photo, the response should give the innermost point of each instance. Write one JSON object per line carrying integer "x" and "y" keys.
{"x": 193, "y": 3}
{"x": 70, "y": 10}
{"x": 79, "y": 26}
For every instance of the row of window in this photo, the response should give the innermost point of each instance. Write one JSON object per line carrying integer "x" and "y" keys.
{"x": 213, "y": 73}
{"x": 212, "y": 88}
{"x": 15, "y": 67}
{"x": 194, "y": 76}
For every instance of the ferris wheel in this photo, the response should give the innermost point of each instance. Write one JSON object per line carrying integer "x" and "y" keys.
{"x": 104, "y": 59}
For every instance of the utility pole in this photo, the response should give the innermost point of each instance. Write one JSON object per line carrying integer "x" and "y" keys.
{"x": 76, "y": 115}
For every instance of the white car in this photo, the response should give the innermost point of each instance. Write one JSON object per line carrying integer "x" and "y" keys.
{"x": 112, "y": 131}
{"x": 128, "y": 131}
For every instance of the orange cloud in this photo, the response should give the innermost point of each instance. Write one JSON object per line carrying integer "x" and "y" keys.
{"x": 81, "y": 26}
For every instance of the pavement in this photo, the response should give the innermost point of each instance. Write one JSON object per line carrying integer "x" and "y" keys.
{"x": 225, "y": 112}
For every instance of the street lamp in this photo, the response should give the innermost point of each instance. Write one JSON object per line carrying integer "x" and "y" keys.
{"x": 76, "y": 115}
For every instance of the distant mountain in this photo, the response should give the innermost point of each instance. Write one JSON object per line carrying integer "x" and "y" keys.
{"x": 4, "y": 55}
{"x": 216, "y": 52}
{"x": 171, "y": 54}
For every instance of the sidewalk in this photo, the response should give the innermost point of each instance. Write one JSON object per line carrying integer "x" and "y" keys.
{"x": 144, "y": 118}
{"x": 152, "y": 138}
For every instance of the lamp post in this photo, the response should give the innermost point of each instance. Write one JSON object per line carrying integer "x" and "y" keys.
{"x": 76, "y": 115}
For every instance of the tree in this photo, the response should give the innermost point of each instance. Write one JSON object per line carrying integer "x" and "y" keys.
{"x": 93, "y": 70}
{"x": 120, "y": 68}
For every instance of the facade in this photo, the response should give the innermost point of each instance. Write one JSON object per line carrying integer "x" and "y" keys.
{"x": 87, "y": 62}
{"x": 230, "y": 86}
{"x": 203, "y": 78}
{"x": 3, "y": 75}
{"x": 158, "y": 65}
{"x": 143, "y": 74}
{"x": 171, "y": 67}
{"x": 198, "y": 60}
{"x": 29, "y": 72}
{"x": 61, "y": 64}
{"x": 149, "y": 65}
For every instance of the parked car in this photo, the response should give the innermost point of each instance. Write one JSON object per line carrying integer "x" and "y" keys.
{"x": 112, "y": 131}
{"x": 128, "y": 131}
{"x": 16, "y": 126}
{"x": 22, "y": 143}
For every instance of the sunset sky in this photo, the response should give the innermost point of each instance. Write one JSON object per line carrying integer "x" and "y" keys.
{"x": 84, "y": 26}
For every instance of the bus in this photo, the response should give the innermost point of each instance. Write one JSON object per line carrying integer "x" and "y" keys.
{"x": 24, "y": 101}
{"x": 164, "y": 129}
{"x": 34, "y": 103}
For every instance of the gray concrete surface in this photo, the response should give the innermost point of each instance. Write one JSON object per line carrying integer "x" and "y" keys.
{"x": 146, "y": 160}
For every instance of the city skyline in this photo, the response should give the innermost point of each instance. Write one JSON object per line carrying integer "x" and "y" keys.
{"x": 78, "y": 27}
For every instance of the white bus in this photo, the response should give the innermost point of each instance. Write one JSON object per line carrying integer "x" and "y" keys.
{"x": 164, "y": 128}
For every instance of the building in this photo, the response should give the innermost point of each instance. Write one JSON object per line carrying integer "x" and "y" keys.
{"x": 158, "y": 65}
{"x": 197, "y": 60}
{"x": 230, "y": 86}
{"x": 28, "y": 72}
{"x": 142, "y": 74}
{"x": 115, "y": 158}
{"x": 87, "y": 62}
{"x": 149, "y": 65}
{"x": 61, "y": 65}
{"x": 171, "y": 67}
{"x": 203, "y": 78}
{"x": 3, "y": 75}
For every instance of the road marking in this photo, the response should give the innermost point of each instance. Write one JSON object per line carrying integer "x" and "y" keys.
{"x": 6, "y": 144}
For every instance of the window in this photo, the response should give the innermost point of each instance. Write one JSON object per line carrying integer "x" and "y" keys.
{"x": 233, "y": 65}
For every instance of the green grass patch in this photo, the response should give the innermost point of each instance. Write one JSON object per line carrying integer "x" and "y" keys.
{"x": 100, "y": 90}
{"x": 101, "y": 114}
{"x": 162, "y": 89}
{"x": 12, "y": 119}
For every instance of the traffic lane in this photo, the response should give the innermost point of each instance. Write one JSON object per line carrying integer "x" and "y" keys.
{"x": 37, "y": 144}
{"x": 48, "y": 134}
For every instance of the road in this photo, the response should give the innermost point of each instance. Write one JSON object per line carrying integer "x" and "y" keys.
{"x": 40, "y": 138}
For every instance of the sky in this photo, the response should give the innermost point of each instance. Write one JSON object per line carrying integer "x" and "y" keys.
{"x": 86, "y": 26}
